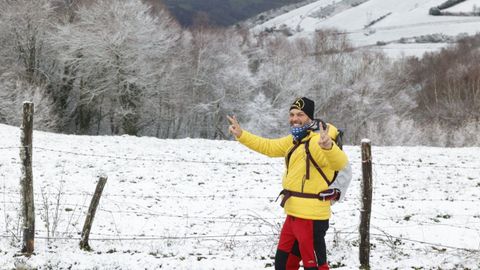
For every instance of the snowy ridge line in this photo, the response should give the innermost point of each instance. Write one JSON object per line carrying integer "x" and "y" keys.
{"x": 402, "y": 26}
{"x": 459, "y": 21}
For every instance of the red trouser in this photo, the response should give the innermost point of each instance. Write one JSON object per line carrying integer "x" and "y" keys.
{"x": 302, "y": 240}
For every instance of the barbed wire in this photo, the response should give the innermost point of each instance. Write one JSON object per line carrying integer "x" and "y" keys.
{"x": 236, "y": 236}
{"x": 232, "y": 217}
{"x": 140, "y": 238}
{"x": 424, "y": 242}
{"x": 428, "y": 165}
{"x": 234, "y": 196}
{"x": 137, "y": 238}
{"x": 162, "y": 214}
{"x": 10, "y": 147}
{"x": 421, "y": 223}
{"x": 182, "y": 160}
{"x": 113, "y": 237}
{"x": 160, "y": 196}
{"x": 159, "y": 160}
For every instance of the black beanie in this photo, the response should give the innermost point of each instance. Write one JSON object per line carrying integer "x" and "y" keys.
{"x": 304, "y": 104}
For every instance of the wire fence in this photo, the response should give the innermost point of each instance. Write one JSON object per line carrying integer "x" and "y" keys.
{"x": 142, "y": 237}
{"x": 113, "y": 237}
{"x": 280, "y": 162}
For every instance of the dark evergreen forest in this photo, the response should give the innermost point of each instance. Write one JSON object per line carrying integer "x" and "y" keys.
{"x": 221, "y": 12}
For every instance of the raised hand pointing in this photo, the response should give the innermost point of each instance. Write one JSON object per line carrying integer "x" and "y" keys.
{"x": 234, "y": 127}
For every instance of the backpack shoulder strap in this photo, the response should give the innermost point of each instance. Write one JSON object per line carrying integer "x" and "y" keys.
{"x": 290, "y": 152}
{"x": 309, "y": 160}
{"x": 339, "y": 139}
{"x": 315, "y": 164}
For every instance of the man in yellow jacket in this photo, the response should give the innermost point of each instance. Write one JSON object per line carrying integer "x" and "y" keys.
{"x": 312, "y": 160}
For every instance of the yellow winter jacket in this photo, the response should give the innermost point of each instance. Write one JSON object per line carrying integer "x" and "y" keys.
{"x": 294, "y": 177}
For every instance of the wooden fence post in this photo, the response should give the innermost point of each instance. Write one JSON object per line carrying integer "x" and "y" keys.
{"x": 26, "y": 180}
{"x": 366, "y": 208}
{"x": 91, "y": 214}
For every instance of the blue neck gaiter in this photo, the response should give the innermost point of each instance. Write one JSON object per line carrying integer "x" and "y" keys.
{"x": 299, "y": 132}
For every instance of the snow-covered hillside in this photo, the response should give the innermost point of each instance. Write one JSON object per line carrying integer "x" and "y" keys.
{"x": 201, "y": 204}
{"x": 391, "y": 23}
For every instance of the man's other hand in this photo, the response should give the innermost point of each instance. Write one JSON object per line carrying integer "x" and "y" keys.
{"x": 234, "y": 127}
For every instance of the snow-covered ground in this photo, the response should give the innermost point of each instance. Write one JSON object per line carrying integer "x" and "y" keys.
{"x": 384, "y": 21}
{"x": 201, "y": 204}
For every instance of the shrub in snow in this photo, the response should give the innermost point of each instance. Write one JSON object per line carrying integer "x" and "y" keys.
{"x": 405, "y": 40}
{"x": 381, "y": 43}
{"x": 434, "y": 11}
{"x": 323, "y": 12}
{"x": 377, "y": 20}
{"x": 286, "y": 30}
{"x": 449, "y": 3}
{"x": 433, "y": 38}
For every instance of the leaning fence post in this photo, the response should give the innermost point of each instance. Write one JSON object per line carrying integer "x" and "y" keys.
{"x": 26, "y": 180}
{"x": 366, "y": 208}
{"x": 91, "y": 214}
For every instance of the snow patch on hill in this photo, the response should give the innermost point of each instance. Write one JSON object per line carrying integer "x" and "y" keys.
{"x": 377, "y": 22}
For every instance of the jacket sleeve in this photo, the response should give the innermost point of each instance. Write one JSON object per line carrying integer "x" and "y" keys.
{"x": 269, "y": 147}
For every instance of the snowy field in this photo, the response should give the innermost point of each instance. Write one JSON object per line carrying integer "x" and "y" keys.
{"x": 201, "y": 204}
{"x": 386, "y": 21}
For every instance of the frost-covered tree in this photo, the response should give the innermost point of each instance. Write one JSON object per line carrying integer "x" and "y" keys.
{"x": 107, "y": 57}
{"x": 25, "y": 61}
{"x": 218, "y": 81}
{"x": 13, "y": 92}
{"x": 260, "y": 117}
{"x": 303, "y": 67}
{"x": 23, "y": 27}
